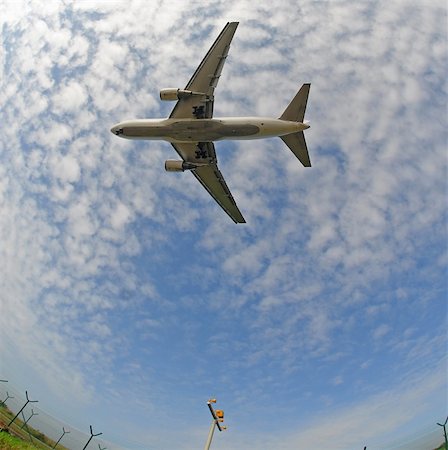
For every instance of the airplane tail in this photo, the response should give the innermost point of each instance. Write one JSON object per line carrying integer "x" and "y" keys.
{"x": 295, "y": 112}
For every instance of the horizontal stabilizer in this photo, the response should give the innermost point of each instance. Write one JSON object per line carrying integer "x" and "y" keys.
{"x": 296, "y": 142}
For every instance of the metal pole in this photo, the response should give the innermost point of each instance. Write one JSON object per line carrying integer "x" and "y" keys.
{"x": 88, "y": 442}
{"x": 91, "y": 437}
{"x": 23, "y": 407}
{"x": 23, "y": 417}
{"x": 7, "y": 397}
{"x": 210, "y": 434}
{"x": 212, "y": 411}
{"x": 27, "y": 420}
{"x": 444, "y": 432}
{"x": 63, "y": 434}
{"x": 27, "y": 429}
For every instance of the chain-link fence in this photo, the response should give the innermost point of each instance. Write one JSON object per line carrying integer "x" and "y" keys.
{"x": 21, "y": 416}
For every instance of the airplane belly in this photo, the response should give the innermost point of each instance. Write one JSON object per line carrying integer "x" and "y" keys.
{"x": 208, "y": 131}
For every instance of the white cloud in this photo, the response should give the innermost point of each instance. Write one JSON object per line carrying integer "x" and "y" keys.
{"x": 66, "y": 168}
{"x": 338, "y": 380}
{"x": 71, "y": 98}
{"x": 381, "y": 331}
{"x": 120, "y": 216}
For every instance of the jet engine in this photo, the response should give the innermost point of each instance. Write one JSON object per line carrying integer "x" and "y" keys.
{"x": 180, "y": 166}
{"x": 174, "y": 94}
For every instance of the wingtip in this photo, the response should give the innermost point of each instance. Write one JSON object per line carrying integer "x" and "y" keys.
{"x": 237, "y": 220}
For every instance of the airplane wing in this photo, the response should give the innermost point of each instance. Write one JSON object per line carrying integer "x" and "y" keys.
{"x": 209, "y": 175}
{"x": 205, "y": 79}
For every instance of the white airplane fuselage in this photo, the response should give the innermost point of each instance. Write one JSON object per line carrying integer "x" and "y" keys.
{"x": 206, "y": 130}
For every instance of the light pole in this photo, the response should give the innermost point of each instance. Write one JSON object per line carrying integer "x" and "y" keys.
{"x": 218, "y": 418}
{"x": 444, "y": 432}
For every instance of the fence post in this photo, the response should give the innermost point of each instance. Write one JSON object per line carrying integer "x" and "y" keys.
{"x": 91, "y": 437}
{"x": 444, "y": 432}
{"x": 27, "y": 420}
{"x": 23, "y": 407}
{"x": 7, "y": 397}
{"x": 63, "y": 434}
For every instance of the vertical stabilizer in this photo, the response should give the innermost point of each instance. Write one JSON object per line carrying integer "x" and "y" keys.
{"x": 295, "y": 112}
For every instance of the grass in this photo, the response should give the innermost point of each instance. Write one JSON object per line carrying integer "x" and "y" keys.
{"x": 8, "y": 442}
{"x": 39, "y": 440}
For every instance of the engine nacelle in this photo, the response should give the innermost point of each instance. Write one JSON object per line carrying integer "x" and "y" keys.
{"x": 180, "y": 166}
{"x": 174, "y": 94}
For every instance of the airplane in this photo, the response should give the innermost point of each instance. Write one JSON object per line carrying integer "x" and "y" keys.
{"x": 192, "y": 130}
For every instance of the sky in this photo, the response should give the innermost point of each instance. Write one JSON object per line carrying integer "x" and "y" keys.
{"x": 129, "y": 298}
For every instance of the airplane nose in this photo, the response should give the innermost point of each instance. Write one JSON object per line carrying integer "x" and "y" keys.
{"x": 117, "y": 130}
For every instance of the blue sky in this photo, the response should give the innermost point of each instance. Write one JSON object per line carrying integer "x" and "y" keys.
{"x": 128, "y": 298}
